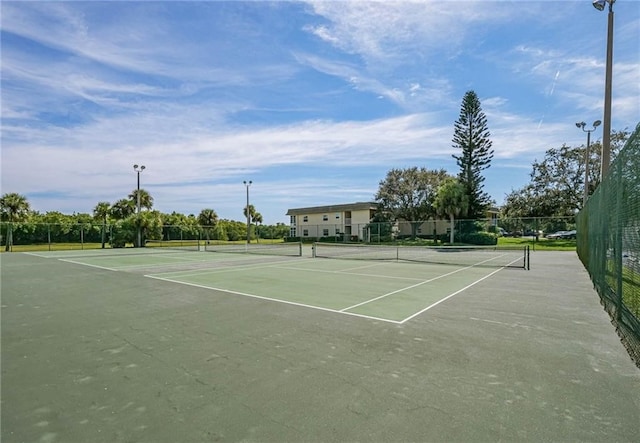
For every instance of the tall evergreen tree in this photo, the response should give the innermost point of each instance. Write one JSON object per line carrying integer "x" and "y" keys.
{"x": 471, "y": 136}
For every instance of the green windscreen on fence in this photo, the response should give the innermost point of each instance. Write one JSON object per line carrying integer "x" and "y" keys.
{"x": 608, "y": 242}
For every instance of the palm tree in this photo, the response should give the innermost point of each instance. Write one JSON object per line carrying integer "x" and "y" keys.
{"x": 251, "y": 216}
{"x": 451, "y": 200}
{"x": 257, "y": 219}
{"x": 146, "y": 201}
{"x": 101, "y": 212}
{"x": 14, "y": 207}
{"x": 207, "y": 219}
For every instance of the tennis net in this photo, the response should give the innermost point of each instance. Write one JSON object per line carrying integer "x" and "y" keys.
{"x": 487, "y": 256}
{"x": 179, "y": 245}
{"x": 283, "y": 249}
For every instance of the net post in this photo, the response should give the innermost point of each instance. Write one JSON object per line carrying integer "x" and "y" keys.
{"x": 313, "y": 249}
{"x": 300, "y": 245}
{"x": 527, "y": 258}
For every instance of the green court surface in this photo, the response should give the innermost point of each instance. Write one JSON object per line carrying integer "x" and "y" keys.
{"x": 393, "y": 292}
{"x": 168, "y": 346}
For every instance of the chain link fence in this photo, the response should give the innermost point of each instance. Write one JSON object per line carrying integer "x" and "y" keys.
{"x": 478, "y": 232}
{"x": 609, "y": 243}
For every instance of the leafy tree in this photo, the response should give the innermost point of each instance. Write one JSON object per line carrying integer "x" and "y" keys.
{"x": 149, "y": 223}
{"x": 471, "y": 137}
{"x": 177, "y": 226}
{"x": 122, "y": 209}
{"x": 208, "y": 219}
{"x": 408, "y": 194}
{"x": 451, "y": 201}
{"x": 233, "y": 230}
{"x": 102, "y": 212}
{"x": 556, "y": 187}
{"x": 381, "y": 226}
{"x": 15, "y": 208}
{"x": 279, "y": 230}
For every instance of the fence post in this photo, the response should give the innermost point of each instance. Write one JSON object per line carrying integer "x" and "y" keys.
{"x": 617, "y": 250}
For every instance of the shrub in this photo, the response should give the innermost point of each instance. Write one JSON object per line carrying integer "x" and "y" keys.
{"x": 477, "y": 238}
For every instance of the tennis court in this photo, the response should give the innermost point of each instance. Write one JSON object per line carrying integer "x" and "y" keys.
{"x": 162, "y": 345}
{"x": 371, "y": 282}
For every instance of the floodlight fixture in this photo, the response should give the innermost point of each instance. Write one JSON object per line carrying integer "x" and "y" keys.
{"x": 587, "y": 157}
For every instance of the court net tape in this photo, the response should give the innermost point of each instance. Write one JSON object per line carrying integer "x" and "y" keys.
{"x": 487, "y": 256}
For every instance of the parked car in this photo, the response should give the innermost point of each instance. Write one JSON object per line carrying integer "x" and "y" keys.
{"x": 562, "y": 235}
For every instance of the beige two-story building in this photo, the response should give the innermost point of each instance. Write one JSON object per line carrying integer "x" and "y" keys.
{"x": 348, "y": 220}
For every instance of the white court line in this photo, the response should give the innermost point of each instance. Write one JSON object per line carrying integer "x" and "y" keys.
{"x": 196, "y": 272}
{"x": 449, "y": 296}
{"x": 273, "y": 299}
{"x": 421, "y": 283}
{"x": 455, "y": 293}
{"x": 87, "y": 264}
{"x": 35, "y": 254}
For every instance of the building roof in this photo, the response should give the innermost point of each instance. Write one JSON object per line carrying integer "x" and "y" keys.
{"x": 359, "y": 206}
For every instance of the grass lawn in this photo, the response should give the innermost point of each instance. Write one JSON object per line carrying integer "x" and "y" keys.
{"x": 542, "y": 244}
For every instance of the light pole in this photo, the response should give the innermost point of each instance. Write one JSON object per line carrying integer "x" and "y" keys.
{"x": 581, "y": 125}
{"x": 139, "y": 169}
{"x": 606, "y": 127}
{"x": 247, "y": 184}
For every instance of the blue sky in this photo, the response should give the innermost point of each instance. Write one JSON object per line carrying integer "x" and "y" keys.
{"x": 314, "y": 101}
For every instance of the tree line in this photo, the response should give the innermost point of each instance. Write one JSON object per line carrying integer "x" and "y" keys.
{"x": 117, "y": 224}
{"x": 556, "y": 188}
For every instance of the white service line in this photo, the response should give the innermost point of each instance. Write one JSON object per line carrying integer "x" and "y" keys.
{"x": 87, "y": 264}
{"x": 244, "y": 294}
{"x": 193, "y": 272}
{"x": 449, "y": 296}
{"x": 406, "y": 288}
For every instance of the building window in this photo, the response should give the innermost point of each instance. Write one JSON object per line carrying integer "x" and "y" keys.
{"x": 292, "y": 232}
{"x": 305, "y": 233}
{"x": 337, "y": 231}
{"x": 325, "y": 217}
{"x": 325, "y": 232}
{"x": 292, "y": 220}
{"x": 305, "y": 218}
{"x": 337, "y": 215}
